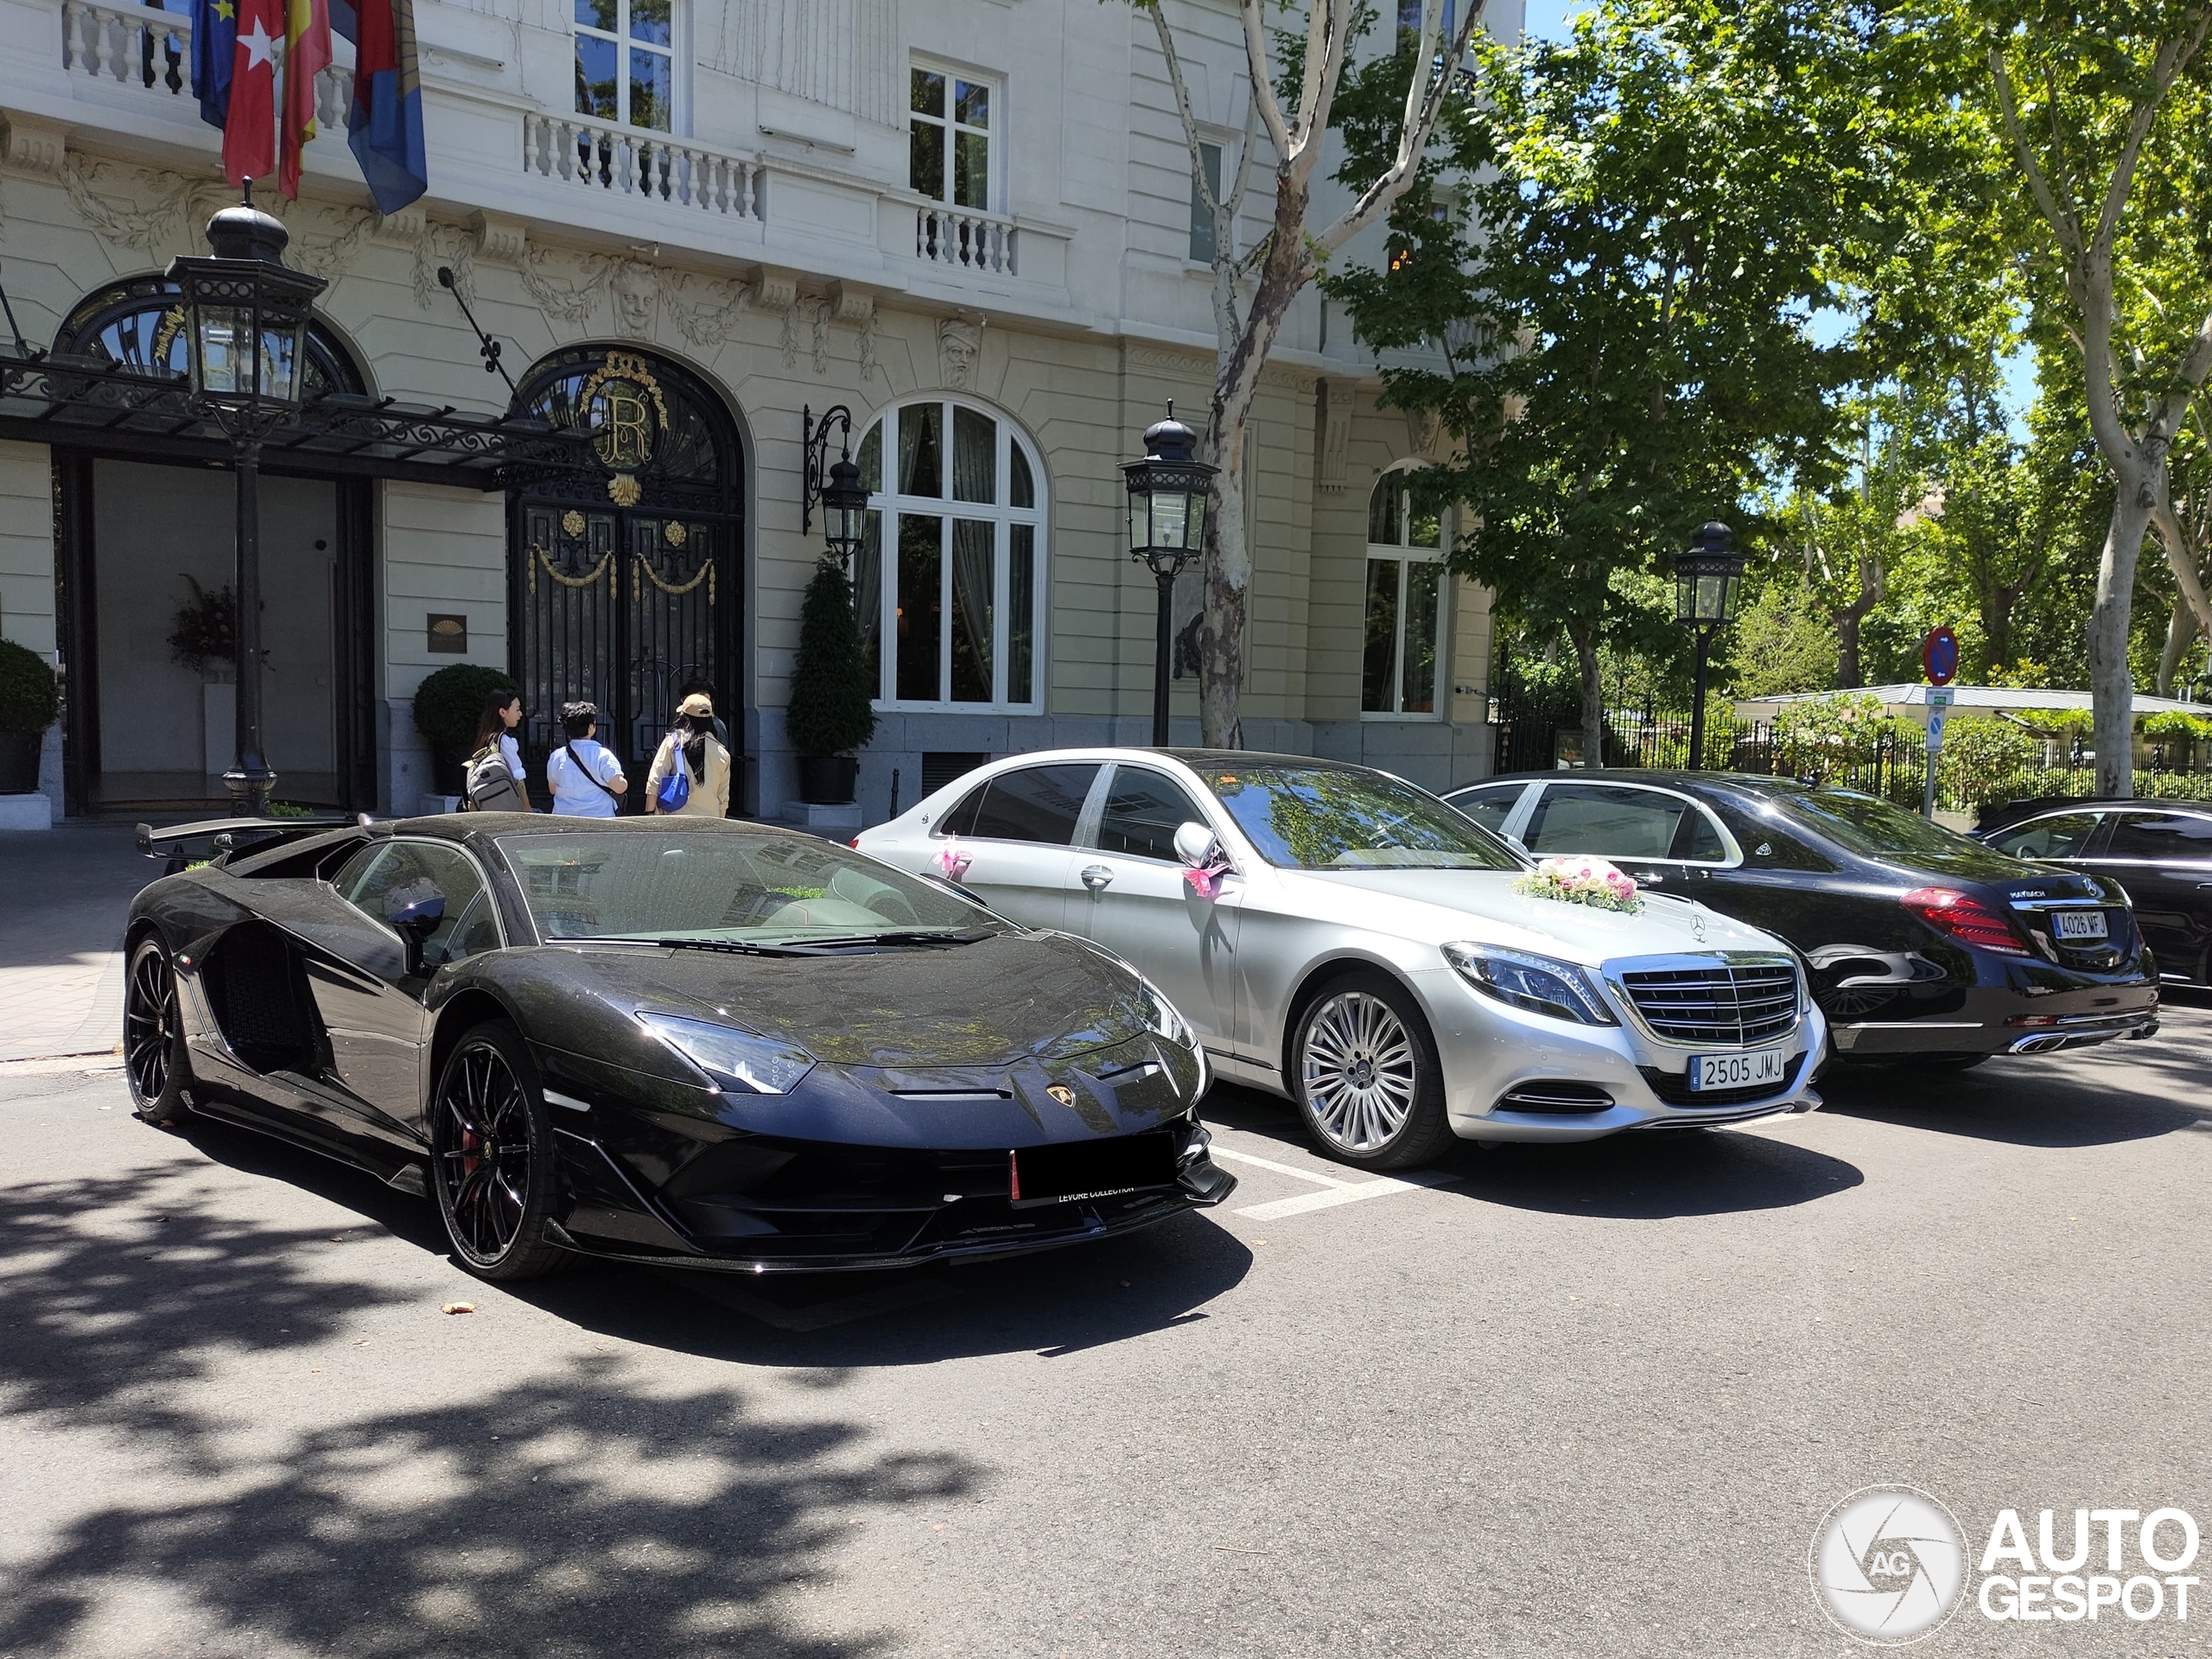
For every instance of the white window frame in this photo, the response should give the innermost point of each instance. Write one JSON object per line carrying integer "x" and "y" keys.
{"x": 888, "y": 504}
{"x": 993, "y": 150}
{"x": 675, "y": 52}
{"x": 1405, "y": 554}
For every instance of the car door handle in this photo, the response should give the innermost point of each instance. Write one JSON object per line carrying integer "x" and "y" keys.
{"x": 1097, "y": 876}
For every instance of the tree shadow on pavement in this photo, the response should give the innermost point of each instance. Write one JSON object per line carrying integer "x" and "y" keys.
{"x": 1640, "y": 1175}
{"x": 1055, "y": 1301}
{"x": 583, "y": 1514}
{"x": 118, "y": 1293}
{"x": 2081, "y": 1099}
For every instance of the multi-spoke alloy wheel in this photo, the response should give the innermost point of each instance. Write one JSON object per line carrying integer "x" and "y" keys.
{"x": 492, "y": 1157}
{"x": 1367, "y": 1075}
{"x": 153, "y": 1036}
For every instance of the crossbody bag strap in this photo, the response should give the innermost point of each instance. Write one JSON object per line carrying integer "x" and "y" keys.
{"x": 576, "y": 760}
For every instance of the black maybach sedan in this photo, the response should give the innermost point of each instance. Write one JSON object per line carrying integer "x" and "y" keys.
{"x": 675, "y": 1041}
{"x": 1920, "y": 943}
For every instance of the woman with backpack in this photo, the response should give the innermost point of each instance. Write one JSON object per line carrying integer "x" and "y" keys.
{"x": 690, "y": 770}
{"x": 496, "y": 780}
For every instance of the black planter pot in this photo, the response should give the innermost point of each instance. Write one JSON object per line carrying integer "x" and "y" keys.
{"x": 19, "y": 752}
{"x": 827, "y": 779}
{"x": 448, "y": 771}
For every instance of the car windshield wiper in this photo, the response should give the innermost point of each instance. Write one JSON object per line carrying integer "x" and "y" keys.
{"x": 896, "y": 935}
{"x": 736, "y": 947}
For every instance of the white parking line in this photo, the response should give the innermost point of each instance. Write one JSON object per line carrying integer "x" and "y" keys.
{"x": 1220, "y": 1151}
{"x": 1335, "y": 1192}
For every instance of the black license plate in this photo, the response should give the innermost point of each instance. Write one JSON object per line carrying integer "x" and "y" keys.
{"x": 1092, "y": 1169}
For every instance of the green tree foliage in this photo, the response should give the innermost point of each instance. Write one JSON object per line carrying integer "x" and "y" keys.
{"x": 1780, "y": 645}
{"x": 831, "y": 681}
{"x": 28, "y": 697}
{"x": 1621, "y": 303}
{"x": 449, "y": 703}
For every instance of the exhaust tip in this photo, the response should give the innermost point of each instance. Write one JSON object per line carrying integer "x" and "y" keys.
{"x": 2042, "y": 1043}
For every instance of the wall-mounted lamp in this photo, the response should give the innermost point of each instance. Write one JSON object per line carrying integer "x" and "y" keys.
{"x": 833, "y": 486}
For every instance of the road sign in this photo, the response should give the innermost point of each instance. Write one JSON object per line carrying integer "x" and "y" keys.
{"x": 1939, "y": 700}
{"x": 1939, "y": 655}
{"x": 1939, "y": 713}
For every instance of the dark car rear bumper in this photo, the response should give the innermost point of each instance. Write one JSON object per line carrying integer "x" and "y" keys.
{"x": 2001, "y": 1020}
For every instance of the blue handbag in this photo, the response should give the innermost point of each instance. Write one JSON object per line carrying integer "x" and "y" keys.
{"x": 676, "y": 788}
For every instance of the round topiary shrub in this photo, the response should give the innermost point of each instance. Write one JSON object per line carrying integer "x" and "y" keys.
{"x": 448, "y": 703}
{"x": 29, "y": 699}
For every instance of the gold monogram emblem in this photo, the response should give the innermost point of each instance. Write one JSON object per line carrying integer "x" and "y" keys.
{"x": 620, "y": 401}
{"x": 1062, "y": 1093}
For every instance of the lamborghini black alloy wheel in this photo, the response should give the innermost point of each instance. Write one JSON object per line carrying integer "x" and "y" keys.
{"x": 491, "y": 1158}
{"x": 153, "y": 1035}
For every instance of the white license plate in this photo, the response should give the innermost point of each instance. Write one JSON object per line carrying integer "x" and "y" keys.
{"x": 1746, "y": 1071}
{"x": 2078, "y": 924}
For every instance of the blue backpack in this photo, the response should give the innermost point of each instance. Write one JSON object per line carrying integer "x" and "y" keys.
{"x": 676, "y": 788}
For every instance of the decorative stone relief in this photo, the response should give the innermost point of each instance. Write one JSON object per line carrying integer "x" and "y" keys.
{"x": 34, "y": 146}
{"x": 959, "y": 338}
{"x": 710, "y": 323}
{"x": 502, "y": 240}
{"x": 405, "y": 227}
{"x": 180, "y": 204}
{"x": 565, "y": 304}
{"x": 774, "y": 289}
{"x": 865, "y": 344}
{"x": 448, "y": 246}
{"x": 1423, "y": 428}
{"x": 636, "y": 289}
{"x": 1336, "y": 434}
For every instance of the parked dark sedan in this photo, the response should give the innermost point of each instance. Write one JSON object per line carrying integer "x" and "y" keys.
{"x": 1920, "y": 942}
{"x": 2159, "y": 851}
{"x": 677, "y": 1040}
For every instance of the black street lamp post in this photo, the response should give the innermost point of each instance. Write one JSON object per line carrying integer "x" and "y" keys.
{"x": 1167, "y": 525}
{"x": 1705, "y": 577}
{"x": 246, "y": 319}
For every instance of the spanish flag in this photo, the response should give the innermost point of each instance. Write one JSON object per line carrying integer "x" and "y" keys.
{"x": 307, "y": 53}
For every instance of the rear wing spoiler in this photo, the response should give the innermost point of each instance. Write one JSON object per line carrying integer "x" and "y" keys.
{"x": 165, "y": 841}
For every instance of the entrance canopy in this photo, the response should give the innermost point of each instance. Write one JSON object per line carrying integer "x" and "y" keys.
{"x": 99, "y": 404}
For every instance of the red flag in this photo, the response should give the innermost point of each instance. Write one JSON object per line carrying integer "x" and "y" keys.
{"x": 307, "y": 51}
{"x": 250, "y": 134}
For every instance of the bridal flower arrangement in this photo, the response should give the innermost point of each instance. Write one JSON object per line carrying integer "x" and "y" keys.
{"x": 1593, "y": 881}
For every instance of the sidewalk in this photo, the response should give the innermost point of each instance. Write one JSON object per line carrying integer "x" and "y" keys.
{"x": 63, "y": 897}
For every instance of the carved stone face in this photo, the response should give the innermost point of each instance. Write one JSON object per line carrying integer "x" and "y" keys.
{"x": 636, "y": 290}
{"x": 957, "y": 342}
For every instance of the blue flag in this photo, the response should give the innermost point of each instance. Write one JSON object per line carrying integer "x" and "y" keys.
{"x": 214, "y": 46}
{"x": 385, "y": 127}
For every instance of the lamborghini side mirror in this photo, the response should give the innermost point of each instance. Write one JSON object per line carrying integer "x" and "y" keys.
{"x": 415, "y": 910}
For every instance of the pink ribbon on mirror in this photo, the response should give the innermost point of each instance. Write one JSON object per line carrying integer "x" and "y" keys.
{"x": 952, "y": 860}
{"x": 1206, "y": 882}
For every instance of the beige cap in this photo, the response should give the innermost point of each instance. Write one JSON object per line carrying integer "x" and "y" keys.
{"x": 697, "y": 703}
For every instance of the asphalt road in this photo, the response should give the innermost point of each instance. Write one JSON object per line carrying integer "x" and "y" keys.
{"x": 1565, "y": 1401}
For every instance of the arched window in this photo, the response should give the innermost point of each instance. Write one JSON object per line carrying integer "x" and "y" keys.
{"x": 1406, "y": 584}
{"x": 949, "y": 580}
{"x": 139, "y": 323}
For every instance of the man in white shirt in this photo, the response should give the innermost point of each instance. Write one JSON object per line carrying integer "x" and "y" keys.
{"x": 584, "y": 776}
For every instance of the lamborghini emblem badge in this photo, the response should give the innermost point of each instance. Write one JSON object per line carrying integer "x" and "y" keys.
{"x": 1062, "y": 1093}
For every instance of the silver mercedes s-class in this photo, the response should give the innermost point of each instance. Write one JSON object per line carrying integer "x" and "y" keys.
{"x": 1336, "y": 936}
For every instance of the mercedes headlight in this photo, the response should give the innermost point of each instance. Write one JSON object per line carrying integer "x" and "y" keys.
{"x": 737, "y": 1061}
{"x": 1538, "y": 984}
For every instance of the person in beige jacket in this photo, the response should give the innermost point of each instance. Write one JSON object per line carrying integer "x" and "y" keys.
{"x": 691, "y": 744}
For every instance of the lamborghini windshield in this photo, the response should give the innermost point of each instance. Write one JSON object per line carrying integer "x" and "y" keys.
{"x": 736, "y": 888}
{"x": 1322, "y": 817}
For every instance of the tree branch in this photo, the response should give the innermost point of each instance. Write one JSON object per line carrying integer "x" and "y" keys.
{"x": 1261, "y": 75}
{"x": 1423, "y": 102}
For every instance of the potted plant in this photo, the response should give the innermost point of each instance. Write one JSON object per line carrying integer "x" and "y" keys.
{"x": 29, "y": 703}
{"x": 830, "y": 715}
{"x": 447, "y": 705}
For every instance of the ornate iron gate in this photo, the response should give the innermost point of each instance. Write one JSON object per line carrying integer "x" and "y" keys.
{"x": 624, "y": 577}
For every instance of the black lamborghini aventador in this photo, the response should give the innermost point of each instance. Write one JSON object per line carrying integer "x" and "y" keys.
{"x": 674, "y": 1040}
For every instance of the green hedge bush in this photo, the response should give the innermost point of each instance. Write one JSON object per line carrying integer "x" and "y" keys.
{"x": 830, "y": 710}
{"x": 448, "y": 703}
{"x": 29, "y": 698}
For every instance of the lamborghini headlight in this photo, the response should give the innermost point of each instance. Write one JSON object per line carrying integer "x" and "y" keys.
{"x": 1160, "y": 1017}
{"x": 735, "y": 1060}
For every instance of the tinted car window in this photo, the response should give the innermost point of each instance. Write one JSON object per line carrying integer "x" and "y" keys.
{"x": 1769, "y": 846}
{"x": 1874, "y": 829}
{"x": 1034, "y": 804}
{"x": 1143, "y": 811}
{"x": 1699, "y": 838}
{"x": 1334, "y": 817}
{"x": 1489, "y": 807}
{"x": 1612, "y": 820}
{"x": 369, "y": 879}
{"x": 2063, "y": 836}
{"x": 961, "y": 821}
{"x": 756, "y": 888}
{"x": 2161, "y": 837}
